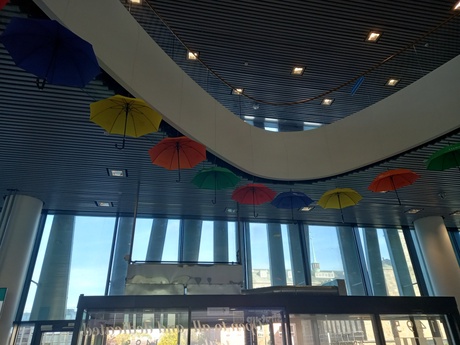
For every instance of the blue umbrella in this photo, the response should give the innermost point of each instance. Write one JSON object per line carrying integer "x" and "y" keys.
{"x": 291, "y": 200}
{"x": 51, "y": 52}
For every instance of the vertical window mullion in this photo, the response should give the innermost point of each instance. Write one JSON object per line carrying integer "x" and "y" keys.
{"x": 365, "y": 272}
{"x": 305, "y": 243}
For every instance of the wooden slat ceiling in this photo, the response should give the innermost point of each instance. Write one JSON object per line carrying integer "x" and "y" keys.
{"x": 50, "y": 150}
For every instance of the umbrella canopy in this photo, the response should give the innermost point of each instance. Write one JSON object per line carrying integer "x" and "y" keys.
{"x": 51, "y": 52}
{"x": 339, "y": 198}
{"x": 253, "y": 194}
{"x": 393, "y": 180}
{"x": 3, "y": 3}
{"x": 177, "y": 153}
{"x": 445, "y": 158}
{"x": 291, "y": 200}
{"x": 126, "y": 116}
{"x": 216, "y": 178}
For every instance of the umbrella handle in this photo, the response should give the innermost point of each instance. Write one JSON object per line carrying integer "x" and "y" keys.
{"x": 255, "y": 214}
{"x": 122, "y": 145}
{"x": 40, "y": 83}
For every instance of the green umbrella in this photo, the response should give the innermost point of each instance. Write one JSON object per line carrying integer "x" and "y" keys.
{"x": 216, "y": 178}
{"x": 445, "y": 158}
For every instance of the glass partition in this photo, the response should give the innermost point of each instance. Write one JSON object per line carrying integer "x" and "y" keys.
{"x": 415, "y": 329}
{"x": 332, "y": 329}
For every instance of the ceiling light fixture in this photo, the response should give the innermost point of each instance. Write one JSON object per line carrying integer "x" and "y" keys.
{"x": 138, "y": 2}
{"x": 192, "y": 55}
{"x": 413, "y": 210}
{"x": 373, "y": 36}
{"x": 455, "y": 213}
{"x": 457, "y": 6}
{"x": 237, "y": 91}
{"x": 104, "y": 203}
{"x": 117, "y": 172}
{"x": 392, "y": 82}
{"x": 250, "y": 118}
{"x": 307, "y": 208}
{"x": 230, "y": 210}
{"x": 327, "y": 101}
{"x": 297, "y": 70}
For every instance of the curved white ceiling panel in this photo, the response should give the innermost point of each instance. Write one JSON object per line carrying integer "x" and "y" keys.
{"x": 421, "y": 112}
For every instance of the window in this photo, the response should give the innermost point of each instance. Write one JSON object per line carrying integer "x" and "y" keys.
{"x": 388, "y": 263}
{"x": 72, "y": 247}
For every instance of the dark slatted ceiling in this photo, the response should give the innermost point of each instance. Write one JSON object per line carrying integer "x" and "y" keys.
{"x": 50, "y": 150}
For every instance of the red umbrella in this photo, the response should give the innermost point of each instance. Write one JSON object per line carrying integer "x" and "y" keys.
{"x": 253, "y": 194}
{"x": 3, "y": 3}
{"x": 393, "y": 180}
{"x": 177, "y": 153}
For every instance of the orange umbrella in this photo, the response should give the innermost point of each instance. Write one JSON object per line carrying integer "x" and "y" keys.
{"x": 393, "y": 180}
{"x": 177, "y": 153}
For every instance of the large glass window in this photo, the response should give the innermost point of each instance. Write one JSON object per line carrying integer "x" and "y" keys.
{"x": 188, "y": 240}
{"x": 73, "y": 259}
{"x": 388, "y": 263}
{"x": 275, "y": 255}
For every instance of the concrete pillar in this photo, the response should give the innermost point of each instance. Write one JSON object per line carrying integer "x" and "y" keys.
{"x": 19, "y": 221}
{"x": 121, "y": 256}
{"x": 220, "y": 241}
{"x": 374, "y": 261}
{"x": 439, "y": 256}
{"x": 191, "y": 240}
{"x": 50, "y": 301}
{"x": 157, "y": 239}
{"x": 276, "y": 254}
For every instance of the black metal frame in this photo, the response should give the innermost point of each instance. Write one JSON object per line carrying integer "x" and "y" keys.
{"x": 292, "y": 303}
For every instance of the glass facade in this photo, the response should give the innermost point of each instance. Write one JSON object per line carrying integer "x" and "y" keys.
{"x": 92, "y": 256}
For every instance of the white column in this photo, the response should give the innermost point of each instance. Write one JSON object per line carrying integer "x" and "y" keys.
{"x": 19, "y": 222}
{"x": 439, "y": 256}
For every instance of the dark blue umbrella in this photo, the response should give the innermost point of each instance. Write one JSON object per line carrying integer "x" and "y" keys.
{"x": 51, "y": 52}
{"x": 291, "y": 200}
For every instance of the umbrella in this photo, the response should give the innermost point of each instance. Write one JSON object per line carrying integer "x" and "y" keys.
{"x": 177, "y": 153}
{"x": 291, "y": 200}
{"x": 3, "y": 3}
{"x": 123, "y": 115}
{"x": 445, "y": 158}
{"x": 216, "y": 178}
{"x": 393, "y": 180}
{"x": 339, "y": 198}
{"x": 51, "y": 52}
{"x": 253, "y": 194}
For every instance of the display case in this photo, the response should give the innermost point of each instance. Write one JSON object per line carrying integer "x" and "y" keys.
{"x": 266, "y": 319}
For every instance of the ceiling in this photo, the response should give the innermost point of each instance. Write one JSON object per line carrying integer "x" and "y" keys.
{"x": 50, "y": 150}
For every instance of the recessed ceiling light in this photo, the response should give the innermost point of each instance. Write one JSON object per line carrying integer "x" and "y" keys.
{"x": 307, "y": 208}
{"x": 373, "y": 36}
{"x": 250, "y": 118}
{"x": 297, "y": 70}
{"x": 104, "y": 203}
{"x": 327, "y": 101}
{"x": 237, "y": 92}
{"x": 135, "y": 1}
{"x": 230, "y": 210}
{"x": 392, "y": 82}
{"x": 117, "y": 172}
{"x": 192, "y": 55}
{"x": 413, "y": 210}
{"x": 457, "y": 6}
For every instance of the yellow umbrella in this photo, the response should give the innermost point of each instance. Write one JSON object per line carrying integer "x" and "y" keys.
{"x": 125, "y": 116}
{"x": 339, "y": 198}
